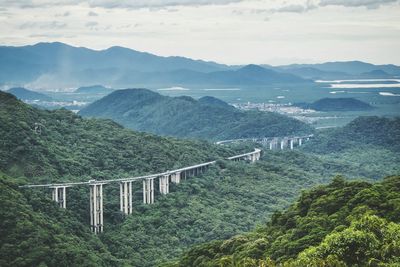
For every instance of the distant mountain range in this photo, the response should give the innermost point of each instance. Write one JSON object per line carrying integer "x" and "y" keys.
{"x": 207, "y": 118}
{"x": 341, "y": 70}
{"x": 61, "y": 66}
{"x": 25, "y": 94}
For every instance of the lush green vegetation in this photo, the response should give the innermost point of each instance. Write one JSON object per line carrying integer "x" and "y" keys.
{"x": 341, "y": 224}
{"x": 35, "y": 232}
{"x": 148, "y": 111}
{"x": 363, "y": 133}
{"x": 230, "y": 199}
{"x": 54, "y": 144}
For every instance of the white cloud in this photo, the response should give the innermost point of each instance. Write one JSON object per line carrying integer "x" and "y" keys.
{"x": 228, "y": 31}
{"x": 356, "y": 3}
{"x": 131, "y": 4}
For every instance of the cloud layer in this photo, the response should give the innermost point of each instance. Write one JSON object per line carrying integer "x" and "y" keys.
{"x": 228, "y": 31}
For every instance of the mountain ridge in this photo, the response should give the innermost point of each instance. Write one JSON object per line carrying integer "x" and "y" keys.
{"x": 145, "y": 110}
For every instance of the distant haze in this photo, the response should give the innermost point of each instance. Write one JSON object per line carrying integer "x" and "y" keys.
{"x": 225, "y": 31}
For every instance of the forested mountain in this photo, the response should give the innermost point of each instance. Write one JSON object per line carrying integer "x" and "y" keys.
{"x": 145, "y": 110}
{"x": 337, "y": 104}
{"x": 52, "y": 144}
{"x": 25, "y": 94}
{"x": 362, "y": 133}
{"x": 35, "y": 232}
{"x": 341, "y": 224}
{"x": 231, "y": 198}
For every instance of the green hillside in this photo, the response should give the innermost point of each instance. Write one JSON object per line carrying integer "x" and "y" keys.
{"x": 54, "y": 144}
{"x": 361, "y": 134}
{"x": 148, "y": 111}
{"x": 341, "y": 224}
{"x": 35, "y": 232}
{"x": 231, "y": 198}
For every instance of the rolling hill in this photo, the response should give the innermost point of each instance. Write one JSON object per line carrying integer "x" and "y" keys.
{"x": 230, "y": 198}
{"x": 52, "y": 144}
{"x": 145, "y": 110}
{"x": 360, "y": 134}
{"x": 337, "y": 104}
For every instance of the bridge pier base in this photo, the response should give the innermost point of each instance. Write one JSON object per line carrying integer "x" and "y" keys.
{"x": 176, "y": 177}
{"x": 164, "y": 184}
{"x": 282, "y": 144}
{"x": 96, "y": 208}
{"x": 59, "y": 195}
{"x": 126, "y": 197}
{"x": 148, "y": 191}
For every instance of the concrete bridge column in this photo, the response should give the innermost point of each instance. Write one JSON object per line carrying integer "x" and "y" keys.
{"x": 282, "y": 144}
{"x": 148, "y": 191}
{"x": 96, "y": 208}
{"x": 176, "y": 177}
{"x": 59, "y": 195}
{"x": 164, "y": 184}
{"x": 126, "y": 197}
{"x": 300, "y": 141}
{"x": 291, "y": 144}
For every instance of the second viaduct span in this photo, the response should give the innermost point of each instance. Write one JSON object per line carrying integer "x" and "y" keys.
{"x": 59, "y": 190}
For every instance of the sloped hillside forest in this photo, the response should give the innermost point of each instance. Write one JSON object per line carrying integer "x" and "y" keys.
{"x": 334, "y": 201}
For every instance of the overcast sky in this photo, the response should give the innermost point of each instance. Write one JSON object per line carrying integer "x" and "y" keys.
{"x": 226, "y": 31}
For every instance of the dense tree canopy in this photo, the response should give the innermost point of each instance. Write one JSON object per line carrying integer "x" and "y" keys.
{"x": 228, "y": 200}
{"x": 341, "y": 224}
{"x": 35, "y": 232}
{"x": 207, "y": 118}
{"x": 54, "y": 144}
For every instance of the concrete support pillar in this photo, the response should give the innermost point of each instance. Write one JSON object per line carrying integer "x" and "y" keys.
{"x": 300, "y": 141}
{"x": 148, "y": 191}
{"x": 176, "y": 177}
{"x": 96, "y": 207}
{"x": 291, "y": 144}
{"x": 126, "y": 197}
{"x": 59, "y": 195}
{"x": 164, "y": 184}
{"x": 282, "y": 144}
